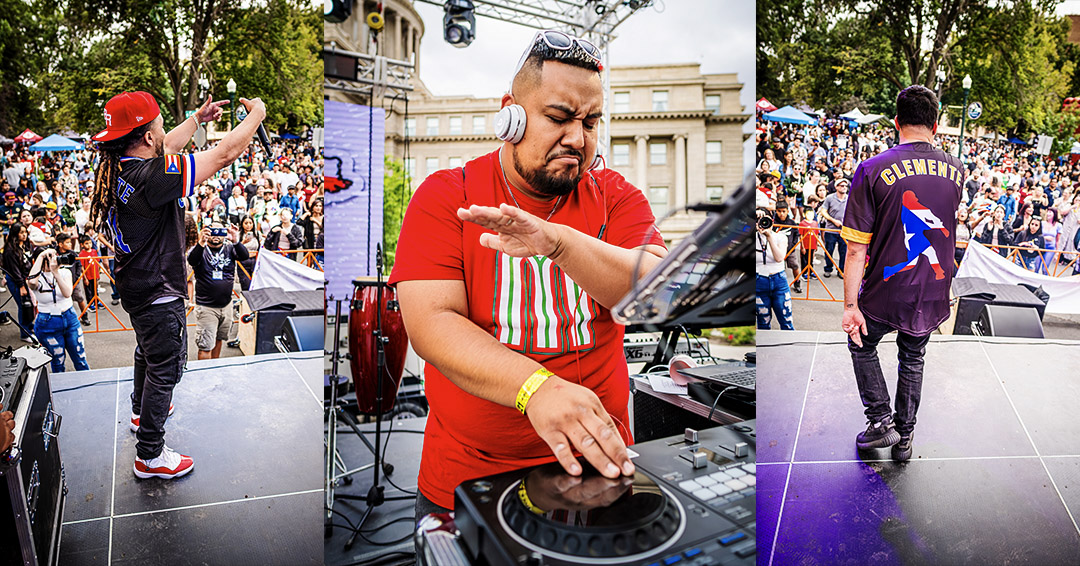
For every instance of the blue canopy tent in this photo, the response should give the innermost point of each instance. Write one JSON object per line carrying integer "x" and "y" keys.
{"x": 790, "y": 115}
{"x": 288, "y": 136}
{"x": 1017, "y": 141}
{"x": 56, "y": 142}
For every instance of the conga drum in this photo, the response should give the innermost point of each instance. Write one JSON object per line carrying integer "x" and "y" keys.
{"x": 364, "y": 313}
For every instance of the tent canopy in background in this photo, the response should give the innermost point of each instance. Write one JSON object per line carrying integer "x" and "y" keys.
{"x": 764, "y": 106}
{"x": 56, "y": 142}
{"x": 288, "y": 136}
{"x": 789, "y": 115}
{"x": 27, "y": 137}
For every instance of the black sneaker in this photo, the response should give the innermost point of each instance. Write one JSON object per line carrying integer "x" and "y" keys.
{"x": 880, "y": 434}
{"x": 796, "y": 288}
{"x": 828, "y": 274}
{"x": 901, "y": 451}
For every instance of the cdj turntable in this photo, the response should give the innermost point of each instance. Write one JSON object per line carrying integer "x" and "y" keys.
{"x": 690, "y": 502}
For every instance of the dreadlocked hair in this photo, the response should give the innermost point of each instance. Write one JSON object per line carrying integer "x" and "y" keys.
{"x": 103, "y": 198}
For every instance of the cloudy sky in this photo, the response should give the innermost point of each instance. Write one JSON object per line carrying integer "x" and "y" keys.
{"x": 718, "y": 35}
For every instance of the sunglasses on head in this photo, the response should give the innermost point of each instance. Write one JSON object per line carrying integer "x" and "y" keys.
{"x": 558, "y": 41}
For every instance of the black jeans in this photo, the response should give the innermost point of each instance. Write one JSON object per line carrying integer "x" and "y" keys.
{"x": 160, "y": 355}
{"x": 872, "y": 390}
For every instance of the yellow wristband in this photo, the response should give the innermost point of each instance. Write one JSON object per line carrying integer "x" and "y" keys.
{"x": 524, "y": 497}
{"x": 530, "y": 386}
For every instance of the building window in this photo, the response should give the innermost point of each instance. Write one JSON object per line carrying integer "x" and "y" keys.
{"x": 433, "y": 126}
{"x": 455, "y": 125}
{"x": 659, "y": 101}
{"x": 410, "y": 127}
{"x": 455, "y": 162}
{"x": 712, "y": 102}
{"x": 620, "y": 154}
{"x": 622, "y": 102}
{"x": 657, "y": 154}
{"x": 712, "y": 152}
{"x": 431, "y": 165}
{"x": 714, "y": 194}
{"x": 658, "y": 200}
{"x": 410, "y": 167}
{"x": 478, "y": 124}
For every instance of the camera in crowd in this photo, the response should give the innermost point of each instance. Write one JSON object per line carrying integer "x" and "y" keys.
{"x": 64, "y": 259}
{"x": 764, "y": 219}
{"x": 219, "y": 232}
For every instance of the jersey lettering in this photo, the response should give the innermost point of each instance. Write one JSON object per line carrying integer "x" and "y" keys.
{"x": 124, "y": 189}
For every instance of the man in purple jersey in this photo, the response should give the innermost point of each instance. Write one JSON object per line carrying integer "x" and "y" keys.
{"x": 897, "y": 224}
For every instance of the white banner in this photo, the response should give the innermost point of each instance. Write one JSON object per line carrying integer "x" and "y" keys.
{"x": 980, "y": 261}
{"x": 274, "y": 270}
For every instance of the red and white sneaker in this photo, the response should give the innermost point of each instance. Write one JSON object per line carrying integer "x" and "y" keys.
{"x": 135, "y": 418}
{"x": 168, "y": 465}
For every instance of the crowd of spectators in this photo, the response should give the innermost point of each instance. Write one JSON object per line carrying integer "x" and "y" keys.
{"x": 1021, "y": 204}
{"x": 272, "y": 202}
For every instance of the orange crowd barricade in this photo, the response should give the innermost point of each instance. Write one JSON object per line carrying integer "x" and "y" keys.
{"x": 308, "y": 257}
{"x": 1063, "y": 263}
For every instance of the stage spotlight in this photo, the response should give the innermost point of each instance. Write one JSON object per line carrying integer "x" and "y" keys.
{"x": 459, "y": 23}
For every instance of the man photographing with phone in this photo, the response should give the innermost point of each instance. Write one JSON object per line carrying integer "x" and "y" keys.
{"x": 213, "y": 263}
{"x": 136, "y": 204}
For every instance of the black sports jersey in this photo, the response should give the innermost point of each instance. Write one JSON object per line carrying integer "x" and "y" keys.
{"x": 215, "y": 272}
{"x": 148, "y": 228}
{"x": 903, "y": 204}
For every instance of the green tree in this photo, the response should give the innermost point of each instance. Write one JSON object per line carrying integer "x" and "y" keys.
{"x": 396, "y": 195}
{"x": 27, "y": 36}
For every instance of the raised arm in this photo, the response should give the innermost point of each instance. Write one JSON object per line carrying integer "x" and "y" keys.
{"x": 565, "y": 415}
{"x": 179, "y": 136}
{"x": 232, "y": 146}
{"x": 603, "y": 270}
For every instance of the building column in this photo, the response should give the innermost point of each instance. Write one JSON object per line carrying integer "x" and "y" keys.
{"x": 642, "y": 162}
{"x": 680, "y": 170}
{"x": 397, "y": 40}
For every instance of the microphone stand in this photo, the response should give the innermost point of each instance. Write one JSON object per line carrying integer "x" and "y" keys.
{"x": 375, "y": 495}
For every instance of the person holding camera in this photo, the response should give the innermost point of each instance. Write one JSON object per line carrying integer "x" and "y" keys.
{"x": 65, "y": 246}
{"x": 773, "y": 293}
{"x": 57, "y": 325}
{"x": 213, "y": 263}
{"x": 140, "y": 182}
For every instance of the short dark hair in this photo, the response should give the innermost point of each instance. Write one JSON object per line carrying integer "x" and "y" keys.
{"x": 63, "y": 237}
{"x": 529, "y": 75}
{"x": 916, "y": 105}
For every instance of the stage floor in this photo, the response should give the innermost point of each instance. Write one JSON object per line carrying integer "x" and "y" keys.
{"x": 252, "y": 424}
{"x": 995, "y": 474}
{"x": 394, "y": 519}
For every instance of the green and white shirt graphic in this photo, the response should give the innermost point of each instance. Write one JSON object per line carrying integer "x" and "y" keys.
{"x": 539, "y": 309}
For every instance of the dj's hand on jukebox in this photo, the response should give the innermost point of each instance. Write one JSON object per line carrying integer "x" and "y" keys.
{"x": 568, "y": 417}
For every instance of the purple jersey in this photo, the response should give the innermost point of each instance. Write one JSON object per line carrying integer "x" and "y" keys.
{"x": 903, "y": 205}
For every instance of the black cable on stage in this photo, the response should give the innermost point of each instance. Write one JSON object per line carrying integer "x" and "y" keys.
{"x": 718, "y": 396}
{"x": 383, "y": 558}
{"x": 387, "y": 476}
{"x": 407, "y": 182}
{"x": 215, "y": 367}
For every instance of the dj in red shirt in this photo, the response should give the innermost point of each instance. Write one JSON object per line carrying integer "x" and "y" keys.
{"x": 508, "y": 267}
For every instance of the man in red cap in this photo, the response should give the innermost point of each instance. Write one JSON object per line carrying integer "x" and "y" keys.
{"x": 138, "y": 188}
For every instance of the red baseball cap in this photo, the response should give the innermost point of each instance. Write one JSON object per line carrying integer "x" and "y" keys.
{"x": 125, "y": 112}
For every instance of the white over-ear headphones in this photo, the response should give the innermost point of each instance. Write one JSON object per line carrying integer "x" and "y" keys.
{"x": 510, "y": 127}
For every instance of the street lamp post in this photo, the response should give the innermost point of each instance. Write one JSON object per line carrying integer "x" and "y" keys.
{"x": 963, "y": 115}
{"x": 231, "y": 88}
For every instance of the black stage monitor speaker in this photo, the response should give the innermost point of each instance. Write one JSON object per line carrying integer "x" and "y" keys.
{"x": 1017, "y": 322}
{"x": 302, "y": 333}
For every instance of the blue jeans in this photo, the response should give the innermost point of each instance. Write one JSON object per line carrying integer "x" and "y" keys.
{"x": 26, "y": 315}
{"x": 60, "y": 333}
{"x": 832, "y": 241}
{"x": 871, "y": 382}
{"x": 773, "y": 295}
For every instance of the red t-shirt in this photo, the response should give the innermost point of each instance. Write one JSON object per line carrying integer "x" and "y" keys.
{"x": 528, "y": 304}
{"x": 808, "y": 234}
{"x": 90, "y": 268}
